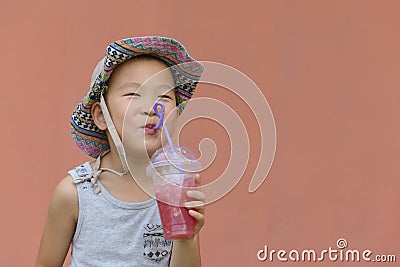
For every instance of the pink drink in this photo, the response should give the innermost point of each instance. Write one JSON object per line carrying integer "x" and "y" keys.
{"x": 176, "y": 221}
{"x": 173, "y": 170}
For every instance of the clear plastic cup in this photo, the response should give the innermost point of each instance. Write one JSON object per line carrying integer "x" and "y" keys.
{"x": 173, "y": 170}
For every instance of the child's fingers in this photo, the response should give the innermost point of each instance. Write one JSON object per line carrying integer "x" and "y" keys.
{"x": 198, "y": 205}
{"x": 197, "y": 215}
{"x": 196, "y": 194}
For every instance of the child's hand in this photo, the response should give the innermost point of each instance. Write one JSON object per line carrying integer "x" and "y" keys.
{"x": 196, "y": 206}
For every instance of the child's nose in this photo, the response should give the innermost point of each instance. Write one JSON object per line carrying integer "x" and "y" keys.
{"x": 148, "y": 112}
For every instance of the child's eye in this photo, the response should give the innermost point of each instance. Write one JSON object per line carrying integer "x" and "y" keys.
{"x": 165, "y": 96}
{"x": 132, "y": 94}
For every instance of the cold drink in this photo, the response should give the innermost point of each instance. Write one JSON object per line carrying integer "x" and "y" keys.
{"x": 173, "y": 170}
{"x": 175, "y": 218}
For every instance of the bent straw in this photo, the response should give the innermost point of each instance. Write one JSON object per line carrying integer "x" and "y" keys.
{"x": 161, "y": 122}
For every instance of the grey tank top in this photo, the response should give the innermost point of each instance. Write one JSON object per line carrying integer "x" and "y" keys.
{"x": 113, "y": 233}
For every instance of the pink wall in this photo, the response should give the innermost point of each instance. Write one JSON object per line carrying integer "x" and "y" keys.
{"x": 329, "y": 69}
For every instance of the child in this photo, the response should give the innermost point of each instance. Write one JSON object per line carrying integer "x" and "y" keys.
{"x": 99, "y": 208}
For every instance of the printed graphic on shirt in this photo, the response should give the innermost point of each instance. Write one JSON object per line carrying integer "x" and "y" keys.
{"x": 81, "y": 171}
{"x": 155, "y": 246}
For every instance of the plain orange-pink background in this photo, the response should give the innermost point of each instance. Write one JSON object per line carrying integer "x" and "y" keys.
{"x": 330, "y": 72}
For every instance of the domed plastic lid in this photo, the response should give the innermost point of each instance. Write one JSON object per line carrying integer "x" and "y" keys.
{"x": 178, "y": 156}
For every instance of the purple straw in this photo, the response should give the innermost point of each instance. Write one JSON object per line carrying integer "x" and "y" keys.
{"x": 161, "y": 122}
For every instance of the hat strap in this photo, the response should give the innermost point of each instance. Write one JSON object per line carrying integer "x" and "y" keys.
{"x": 114, "y": 133}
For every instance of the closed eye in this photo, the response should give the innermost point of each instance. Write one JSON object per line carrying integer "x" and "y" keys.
{"x": 132, "y": 94}
{"x": 165, "y": 96}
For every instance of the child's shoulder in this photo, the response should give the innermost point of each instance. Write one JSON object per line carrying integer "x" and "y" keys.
{"x": 64, "y": 200}
{"x": 66, "y": 190}
{"x": 66, "y": 186}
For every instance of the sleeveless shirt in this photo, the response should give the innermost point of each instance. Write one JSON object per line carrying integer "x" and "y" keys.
{"x": 111, "y": 233}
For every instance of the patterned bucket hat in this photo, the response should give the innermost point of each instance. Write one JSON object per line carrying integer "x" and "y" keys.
{"x": 185, "y": 70}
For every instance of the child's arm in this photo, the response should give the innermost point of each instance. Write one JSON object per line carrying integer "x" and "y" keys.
{"x": 186, "y": 252}
{"x": 60, "y": 225}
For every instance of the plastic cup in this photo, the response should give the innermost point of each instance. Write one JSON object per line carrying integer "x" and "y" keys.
{"x": 173, "y": 170}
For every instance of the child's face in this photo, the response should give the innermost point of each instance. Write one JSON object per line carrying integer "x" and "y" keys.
{"x": 129, "y": 94}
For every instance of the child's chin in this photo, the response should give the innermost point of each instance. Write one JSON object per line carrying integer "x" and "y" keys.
{"x": 136, "y": 149}
{"x": 151, "y": 149}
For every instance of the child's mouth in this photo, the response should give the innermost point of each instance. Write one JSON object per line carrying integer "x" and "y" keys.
{"x": 148, "y": 128}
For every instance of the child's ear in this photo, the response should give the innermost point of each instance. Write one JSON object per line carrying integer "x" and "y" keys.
{"x": 98, "y": 116}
